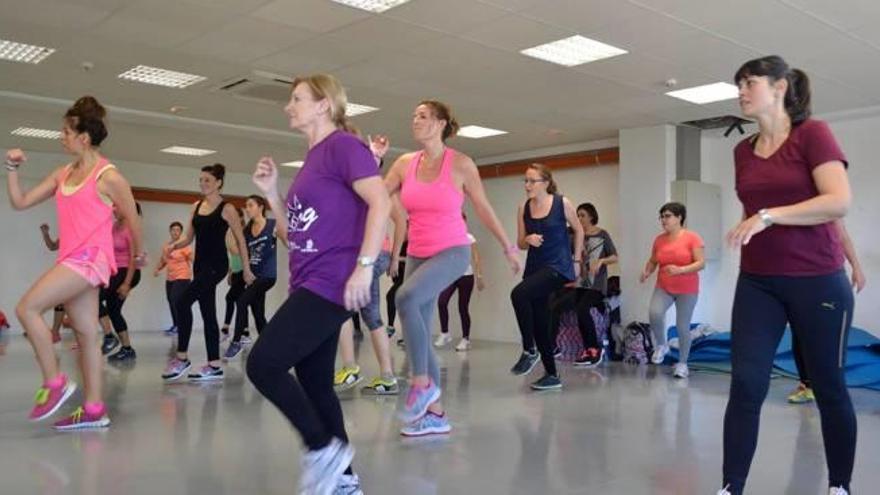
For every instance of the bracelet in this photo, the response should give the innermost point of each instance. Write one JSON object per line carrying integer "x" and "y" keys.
{"x": 11, "y": 167}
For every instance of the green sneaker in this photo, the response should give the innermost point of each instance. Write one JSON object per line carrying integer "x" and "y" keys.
{"x": 382, "y": 386}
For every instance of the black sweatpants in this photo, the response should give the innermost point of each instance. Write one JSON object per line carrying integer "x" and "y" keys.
{"x": 203, "y": 289}
{"x": 465, "y": 287}
{"x": 253, "y": 297}
{"x": 581, "y": 301}
{"x": 109, "y": 302}
{"x": 530, "y": 300}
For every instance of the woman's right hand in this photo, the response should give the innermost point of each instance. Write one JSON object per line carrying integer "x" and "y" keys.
{"x": 394, "y": 267}
{"x": 15, "y": 157}
{"x": 513, "y": 261}
{"x": 534, "y": 240}
{"x": 644, "y": 276}
{"x": 266, "y": 176}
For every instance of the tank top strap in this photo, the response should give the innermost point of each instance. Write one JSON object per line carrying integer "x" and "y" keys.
{"x": 413, "y": 167}
{"x": 446, "y": 166}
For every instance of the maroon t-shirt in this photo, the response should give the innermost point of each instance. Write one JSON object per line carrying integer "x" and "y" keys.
{"x": 785, "y": 178}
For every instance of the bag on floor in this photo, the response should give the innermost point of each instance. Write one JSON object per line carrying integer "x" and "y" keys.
{"x": 4, "y": 323}
{"x": 568, "y": 339}
{"x": 637, "y": 346}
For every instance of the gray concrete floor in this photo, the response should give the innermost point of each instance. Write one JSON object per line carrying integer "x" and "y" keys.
{"x": 615, "y": 430}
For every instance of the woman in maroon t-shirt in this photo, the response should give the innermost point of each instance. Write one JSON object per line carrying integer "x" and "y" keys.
{"x": 791, "y": 178}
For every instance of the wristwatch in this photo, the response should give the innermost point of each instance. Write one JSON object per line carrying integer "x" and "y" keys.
{"x": 366, "y": 261}
{"x": 765, "y": 217}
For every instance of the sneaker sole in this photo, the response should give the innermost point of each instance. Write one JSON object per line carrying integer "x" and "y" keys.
{"x": 342, "y": 387}
{"x": 526, "y": 372}
{"x": 92, "y": 425}
{"x": 213, "y": 378}
{"x": 373, "y": 391}
{"x": 427, "y": 432}
{"x": 329, "y": 483}
{"x": 545, "y": 388}
{"x": 228, "y": 358}
{"x": 68, "y": 391}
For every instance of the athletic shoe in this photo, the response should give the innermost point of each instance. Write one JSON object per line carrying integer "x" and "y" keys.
{"x": 206, "y": 373}
{"x": 349, "y": 484}
{"x": 429, "y": 424}
{"x": 801, "y": 395}
{"x": 175, "y": 369}
{"x": 246, "y": 339}
{"x": 172, "y": 330}
{"x": 525, "y": 364}
{"x": 723, "y": 491}
{"x": 401, "y": 343}
{"x": 417, "y": 401}
{"x": 463, "y": 345}
{"x": 660, "y": 354}
{"x": 80, "y": 420}
{"x": 347, "y": 377}
{"x": 547, "y": 382}
{"x": 123, "y": 354}
{"x": 837, "y": 491}
{"x": 680, "y": 370}
{"x": 48, "y": 400}
{"x": 322, "y": 469}
{"x": 442, "y": 340}
{"x": 382, "y": 386}
{"x": 390, "y": 331}
{"x": 589, "y": 358}
{"x": 232, "y": 351}
{"x": 557, "y": 353}
{"x": 110, "y": 343}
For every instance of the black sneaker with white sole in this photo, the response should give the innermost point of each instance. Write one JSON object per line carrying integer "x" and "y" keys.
{"x": 589, "y": 358}
{"x": 547, "y": 382}
{"x": 525, "y": 364}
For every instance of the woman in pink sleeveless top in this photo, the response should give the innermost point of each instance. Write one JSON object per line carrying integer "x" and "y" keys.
{"x": 433, "y": 183}
{"x": 85, "y": 192}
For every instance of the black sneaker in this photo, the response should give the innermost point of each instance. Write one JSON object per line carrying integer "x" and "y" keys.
{"x": 526, "y": 363}
{"x": 548, "y": 382}
{"x": 390, "y": 331}
{"x": 124, "y": 354}
{"x": 589, "y": 358}
{"x": 557, "y": 353}
{"x": 110, "y": 343}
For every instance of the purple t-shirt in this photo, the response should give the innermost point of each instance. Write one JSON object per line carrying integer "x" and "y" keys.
{"x": 786, "y": 178}
{"x": 326, "y": 216}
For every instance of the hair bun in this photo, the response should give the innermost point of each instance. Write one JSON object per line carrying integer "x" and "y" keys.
{"x": 88, "y": 107}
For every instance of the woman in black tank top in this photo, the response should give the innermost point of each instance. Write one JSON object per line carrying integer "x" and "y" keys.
{"x": 208, "y": 228}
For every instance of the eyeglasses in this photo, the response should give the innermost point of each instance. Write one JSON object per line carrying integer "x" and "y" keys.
{"x": 532, "y": 182}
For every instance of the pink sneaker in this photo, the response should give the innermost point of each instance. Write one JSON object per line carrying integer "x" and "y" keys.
{"x": 81, "y": 420}
{"x": 48, "y": 400}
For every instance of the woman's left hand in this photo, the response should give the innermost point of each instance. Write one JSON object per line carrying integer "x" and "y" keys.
{"x": 743, "y": 233}
{"x": 357, "y": 289}
{"x": 673, "y": 270}
{"x": 248, "y": 276}
{"x": 123, "y": 291}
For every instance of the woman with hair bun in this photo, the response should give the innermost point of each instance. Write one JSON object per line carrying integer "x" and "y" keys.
{"x": 86, "y": 191}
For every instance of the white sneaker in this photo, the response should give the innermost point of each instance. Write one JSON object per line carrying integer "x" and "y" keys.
{"x": 681, "y": 370}
{"x": 322, "y": 469}
{"x": 660, "y": 354}
{"x": 349, "y": 484}
{"x": 837, "y": 491}
{"x": 723, "y": 491}
{"x": 442, "y": 340}
{"x": 463, "y": 345}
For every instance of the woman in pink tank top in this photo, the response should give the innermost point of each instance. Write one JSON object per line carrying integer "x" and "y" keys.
{"x": 433, "y": 183}
{"x": 84, "y": 191}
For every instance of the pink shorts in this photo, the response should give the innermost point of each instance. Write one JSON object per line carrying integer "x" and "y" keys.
{"x": 91, "y": 264}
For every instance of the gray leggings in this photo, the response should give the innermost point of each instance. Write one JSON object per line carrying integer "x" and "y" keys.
{"x": 417, "y": 299}
{"x": 684, "y": 309}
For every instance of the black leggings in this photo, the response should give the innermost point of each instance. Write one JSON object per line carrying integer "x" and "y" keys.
{"x": 236, "y": 288}
{"x": 173, "y": 290}
{"x": 302, "y": 335}
{"x": 203, "y": 289}
{"x": 254, "y": 296}
{"x": 465, "y": 286}
{"x": 819, "y": 310}
{"x": 799, "y": 361}
{"x": 109, "y": 302}
{"x": 530, "y": 303}
{"x": 396, "y": 282}
{"x": 581, "y": 301}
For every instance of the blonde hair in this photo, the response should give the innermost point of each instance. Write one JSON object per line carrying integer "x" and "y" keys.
{"x": 547, "y": 175}
{"x": 326, "y": 86}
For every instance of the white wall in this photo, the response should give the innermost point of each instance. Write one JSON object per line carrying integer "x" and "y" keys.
{"x": 857, "y": 137}
{"x": 25, "y": 256}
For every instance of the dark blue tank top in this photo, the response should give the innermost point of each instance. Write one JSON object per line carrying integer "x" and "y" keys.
{"x": 262, "y": 250}
{"x": 555, "y": 252}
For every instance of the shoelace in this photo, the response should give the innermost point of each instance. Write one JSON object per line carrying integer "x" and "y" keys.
{"x": 42, "y": 396}
{"x": 77, "y": 415}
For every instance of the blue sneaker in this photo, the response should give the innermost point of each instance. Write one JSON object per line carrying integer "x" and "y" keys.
{"x": 175, "y": 369}
{"x": 232, "y": 351}
{"x": 172, "y": 330}
{"x": 418, "y": 400}
{"x": 429, "y": 424}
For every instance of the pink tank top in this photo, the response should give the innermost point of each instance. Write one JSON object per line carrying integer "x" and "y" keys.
{"x": 85, "y": 222}
{"x": 434, "y": 208}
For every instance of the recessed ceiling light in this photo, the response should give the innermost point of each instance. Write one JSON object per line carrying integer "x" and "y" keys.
{"x": 36, "y": 133}
{"x": 572, "y": 51}
{"x": 375, "y": 6}
{"x": 21, "y": 52}
{"x": 477, "y": 132}
{"x": 295, "y": 164}
{"x": 354, "y": 109}
{"x": 161, "y": 77}
{"x": 186, "y": 150}
{"x": 707, "y": 93}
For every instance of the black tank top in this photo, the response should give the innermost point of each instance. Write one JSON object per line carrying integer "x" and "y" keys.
{"x": 210, "y": 233}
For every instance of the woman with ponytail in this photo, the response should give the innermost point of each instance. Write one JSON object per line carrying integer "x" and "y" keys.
{"x": 86, "y": 191}
{"x": 791, "y": 179}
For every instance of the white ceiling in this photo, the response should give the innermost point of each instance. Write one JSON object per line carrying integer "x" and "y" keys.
{"x": 465, "y": 52}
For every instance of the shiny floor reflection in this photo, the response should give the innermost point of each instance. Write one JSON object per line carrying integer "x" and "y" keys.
{"x": 618, "y": 430}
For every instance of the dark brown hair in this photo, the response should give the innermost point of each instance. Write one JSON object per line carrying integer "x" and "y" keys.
{"x": 217, "y": 170}
{"x": 798, "y": 94}
{"x": 443, "y": 112}
{"x": 87, "y": 116}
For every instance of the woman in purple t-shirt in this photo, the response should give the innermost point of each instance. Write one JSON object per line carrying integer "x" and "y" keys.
{"x": 791, "y": 178}
{"x": 336, "y": 209}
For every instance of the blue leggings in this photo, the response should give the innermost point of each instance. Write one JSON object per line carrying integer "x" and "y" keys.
{"x": 819, "y": 310}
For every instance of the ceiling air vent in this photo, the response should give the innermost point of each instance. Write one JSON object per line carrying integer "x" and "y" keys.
{"x": 729, "y": 122}
{"x": 258, "y": 86}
